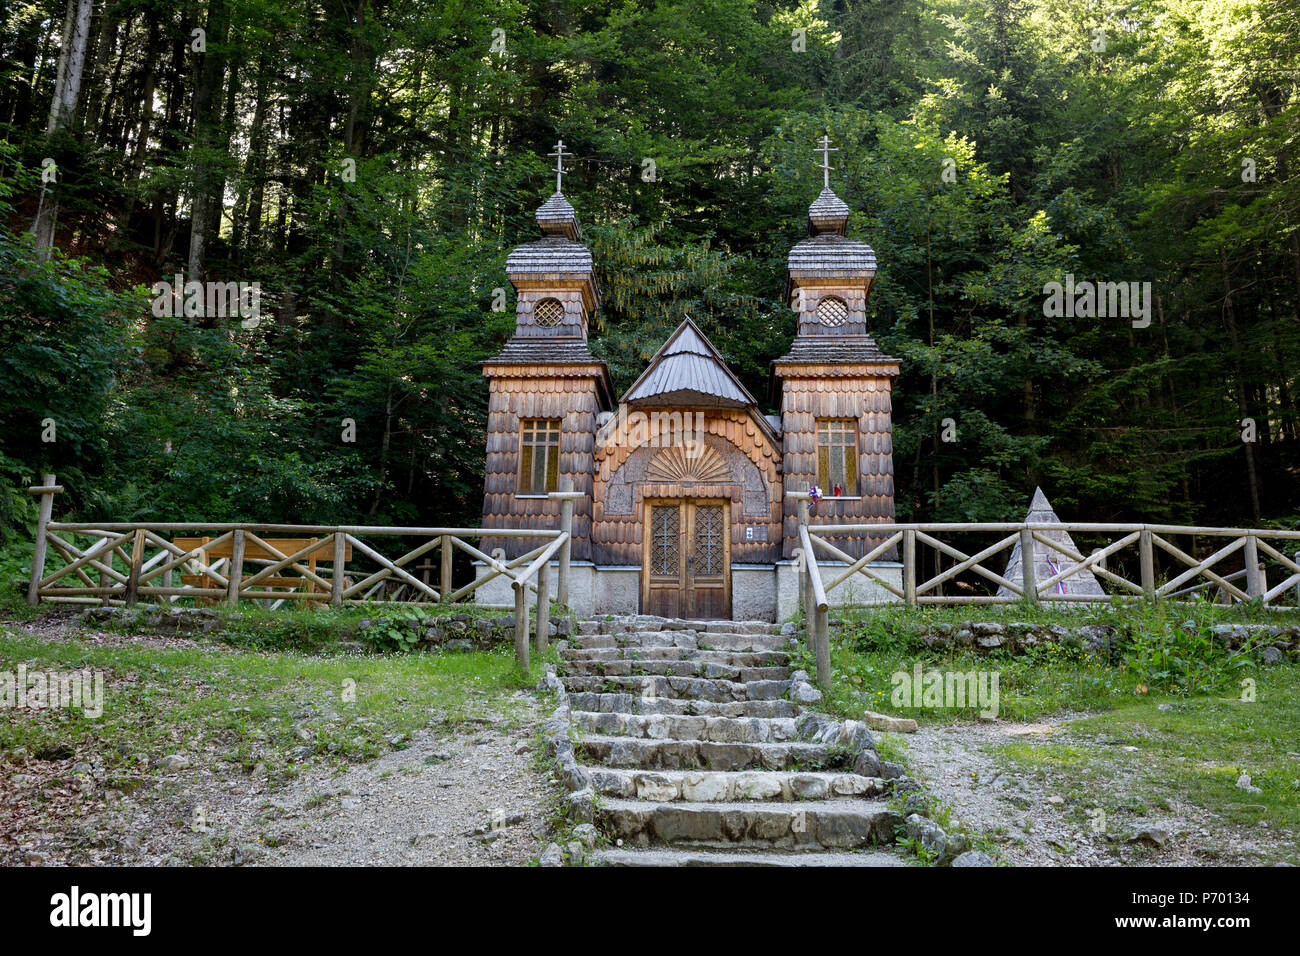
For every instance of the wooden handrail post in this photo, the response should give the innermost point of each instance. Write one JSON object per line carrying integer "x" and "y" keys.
{"x": 566, "y": 496}
{"x": 805, "y": 575}
{"x": 909, "y": 567}
{"x": 543, "y": 607}
{"x": 236, "y": 576}
{"x": 521, "y": 625}
{"x": 47, "y": 490}
{"x": 446, "y": 556}
{"x": 340, "y": 563}
{"x": 1254, "y": 578}
{"x": 806, "y": 599}
{"x": 1147, "y": 559}
{"x": 137, "y": 565}
{"x": 1027, "y": 582}
{"x": 821, "y": 616}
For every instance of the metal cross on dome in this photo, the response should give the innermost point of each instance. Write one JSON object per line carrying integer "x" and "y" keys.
{"x": 559, "y": 155}
{"x": 826, "y": 149}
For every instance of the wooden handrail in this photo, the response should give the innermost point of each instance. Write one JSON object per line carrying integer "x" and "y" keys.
{"x": 532, "y": 569}
{"x": 883, "y": 536}
{"x": 92, "y": 527}
{"x": 230, "y": 584}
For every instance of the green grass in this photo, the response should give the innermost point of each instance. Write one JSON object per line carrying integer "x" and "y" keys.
{"x": 1191, "y": 752}
{"x": 1050, "y": 679}
{"x": 1153, "y": 656}
{"x": 246, "y": 707}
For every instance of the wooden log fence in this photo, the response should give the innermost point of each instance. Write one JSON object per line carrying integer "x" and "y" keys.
{"x": 1157, "y": 570}
{"x": 115, "y": 566}
{"x": 124, "y": 563}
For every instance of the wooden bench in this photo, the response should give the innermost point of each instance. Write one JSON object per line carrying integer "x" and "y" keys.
{"x": 255, "y": 552}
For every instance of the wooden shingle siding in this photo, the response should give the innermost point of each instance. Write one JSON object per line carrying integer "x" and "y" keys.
{"x": 533, "y": 392}
{"x": 854, "y": 297}
{"x": 807, "y": 395}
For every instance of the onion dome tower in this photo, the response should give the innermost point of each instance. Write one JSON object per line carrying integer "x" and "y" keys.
{"x": 545, "y": 386}
{"x": 835, "y": 382}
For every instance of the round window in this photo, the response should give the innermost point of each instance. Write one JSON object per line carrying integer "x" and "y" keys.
{"x": 549, "y": 313}
{"x": 832, "y": 311}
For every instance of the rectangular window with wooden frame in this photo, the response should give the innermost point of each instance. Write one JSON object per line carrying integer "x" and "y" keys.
{"x": 837, "y": 455}
{"x": 539, "y": 455}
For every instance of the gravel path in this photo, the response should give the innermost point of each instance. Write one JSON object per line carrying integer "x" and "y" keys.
{"x": 471, "y": 800}
{"x": 468, "y": 797}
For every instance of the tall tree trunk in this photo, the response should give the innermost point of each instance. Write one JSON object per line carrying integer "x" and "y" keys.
{"x": 170, "y": 137}
{"x": 18, "y": 104}
{"x": 253, "y": 190}
{"x": 1252, "y": 471}
{"x": 63, "y": 108}
{"x": 144, "y": 128}
{"x": 205, "y": 202}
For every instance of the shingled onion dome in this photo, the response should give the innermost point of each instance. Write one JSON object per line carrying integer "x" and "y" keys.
{"x": 557, "y": 218}
{"x": 828, "y": 213}
{"x": 828, "y": 254}
{"x": 555, "y": 293}
{"x": 558, "y": 256}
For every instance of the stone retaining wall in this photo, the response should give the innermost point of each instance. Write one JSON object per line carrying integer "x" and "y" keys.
{"x": 1273, "y": 643}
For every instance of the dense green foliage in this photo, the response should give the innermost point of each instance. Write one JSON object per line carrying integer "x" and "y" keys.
{"x": 1103, "y": 141}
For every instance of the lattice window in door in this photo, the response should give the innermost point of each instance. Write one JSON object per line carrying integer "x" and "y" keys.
{"x": 708, "y": 540}
{"x": 665, "y": 529}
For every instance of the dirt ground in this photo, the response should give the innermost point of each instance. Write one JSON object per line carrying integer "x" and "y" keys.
{"x": 472, "y": 797}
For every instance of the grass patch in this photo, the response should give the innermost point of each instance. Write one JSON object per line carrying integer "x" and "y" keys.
{"x": 246, "y": 707}
{"x": 1146, "y": 757}
{"x": 1047, "y": 680}
{"x": 1159, "y": 653}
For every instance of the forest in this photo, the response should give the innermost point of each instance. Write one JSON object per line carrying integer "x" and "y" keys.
{"x": 365, "y": 166}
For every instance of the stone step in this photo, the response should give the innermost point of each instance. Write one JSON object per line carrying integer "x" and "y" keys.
{"x": 670, "y": 754}
{"x": 688, "y": 640}
{"x": 730, "y": 658}
{"x": 701, "y": 688}
{"x": 702, "y": 786}
{"x": 829, "y": 824}
{"x": 687, "y": 727}
{"x": 645, "y": 622}
{"x": 701, "y": 857}
{"x": 707, "y": 669}
{"x": 636, "y": 704}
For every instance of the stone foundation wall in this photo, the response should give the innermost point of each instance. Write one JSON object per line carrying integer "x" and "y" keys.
{"x": 759, "y": 592}
{"x": 1274, "y": 642}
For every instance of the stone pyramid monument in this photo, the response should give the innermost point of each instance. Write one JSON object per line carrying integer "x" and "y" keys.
{"x": 1048, "y": 563}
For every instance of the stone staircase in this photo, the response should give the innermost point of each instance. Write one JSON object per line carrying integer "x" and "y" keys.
{"x": 686, "y": 744}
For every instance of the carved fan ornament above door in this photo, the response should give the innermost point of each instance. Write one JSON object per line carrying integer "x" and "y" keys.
{"x": 675, "y": 465}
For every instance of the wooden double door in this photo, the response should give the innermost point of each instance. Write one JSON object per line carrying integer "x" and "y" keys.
{"x": 686, "y": 559}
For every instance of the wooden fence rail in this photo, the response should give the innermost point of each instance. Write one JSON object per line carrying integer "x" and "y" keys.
{"x": 122, "y": 562}
{"x": 1271, "y": 575}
